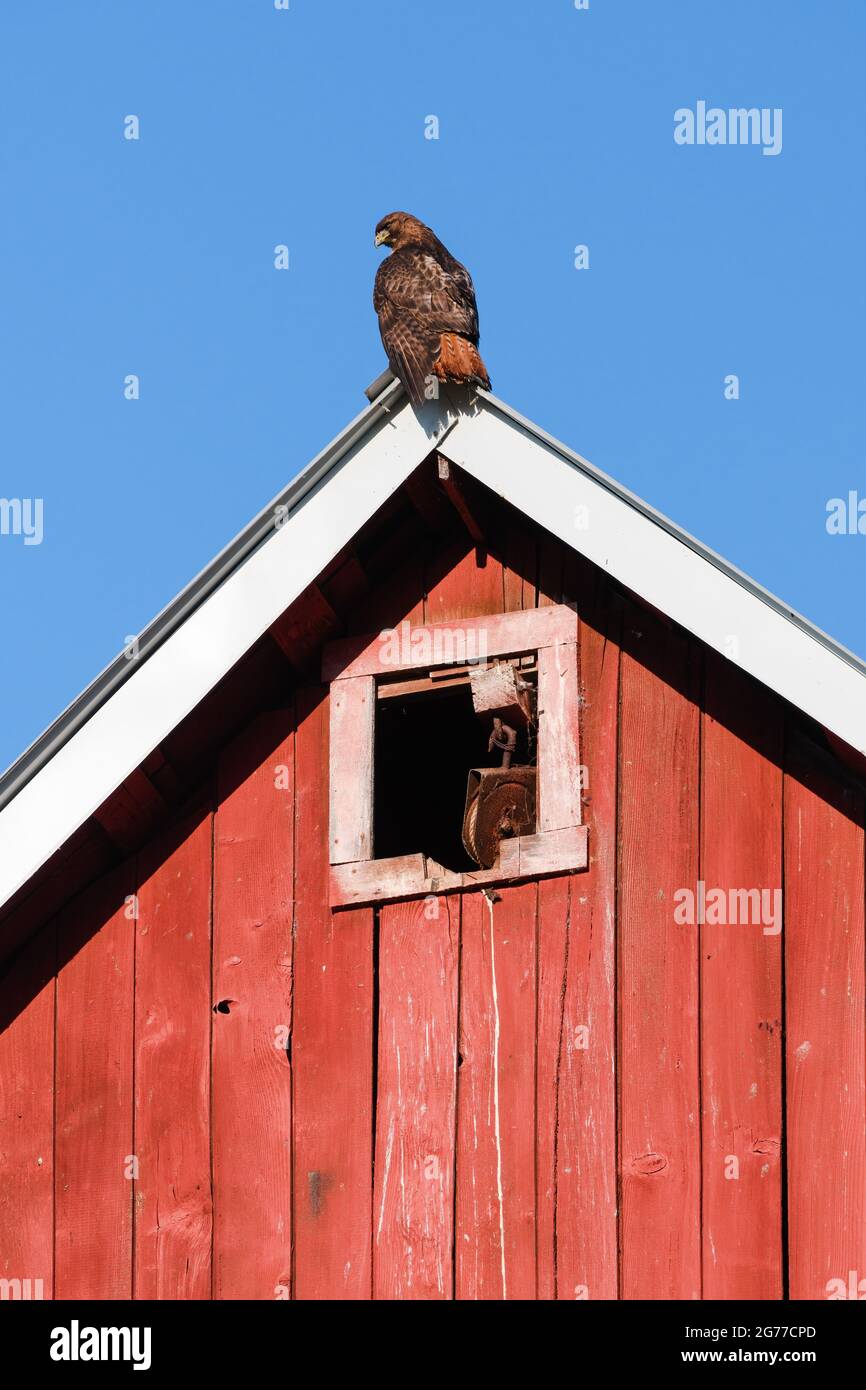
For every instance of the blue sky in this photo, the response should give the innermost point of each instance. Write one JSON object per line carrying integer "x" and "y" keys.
{"x": 261, "y": 126}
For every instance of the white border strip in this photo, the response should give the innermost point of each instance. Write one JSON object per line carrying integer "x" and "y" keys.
{"x": 663, "y": 570}
{"x": 172, "y": 681}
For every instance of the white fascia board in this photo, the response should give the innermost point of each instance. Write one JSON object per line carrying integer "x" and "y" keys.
{"x": 662, "y": 568}
{"x": 189, "y": 663}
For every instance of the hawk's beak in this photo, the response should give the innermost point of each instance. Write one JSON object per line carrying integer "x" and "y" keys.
{"x": 382, "y": 237}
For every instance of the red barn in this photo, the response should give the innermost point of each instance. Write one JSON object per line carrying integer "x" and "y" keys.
{"x": 305, "y": 996}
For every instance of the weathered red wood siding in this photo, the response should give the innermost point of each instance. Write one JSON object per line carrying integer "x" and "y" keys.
{"x": 251, "y": 1105}
{"x": 213, "y": 1086}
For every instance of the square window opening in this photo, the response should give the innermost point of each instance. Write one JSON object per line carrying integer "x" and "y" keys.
{"x": 454, "y": 775}
{"x": 426, "y": 745}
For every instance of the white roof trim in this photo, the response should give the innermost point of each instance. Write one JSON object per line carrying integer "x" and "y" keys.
{"x": 542, "y": 478}
{"x": 163, "y": 689}
{"x": 666, "y": 568}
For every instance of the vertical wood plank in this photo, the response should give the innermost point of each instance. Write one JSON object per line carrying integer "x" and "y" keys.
{"x": 559, "y": 802}
{"x": 252, "y": 967}
{"x": 741, "y": 990}
{"x": 94, "y": 1115}
{"x": 332, "y": 1048}
{"x": 553, "y": 561}
{"x": 519, "y": 549}
{"x": 27, "y": 1115}
{"x": 554, "y": 911}
{"x": 824, "y": 954}
{"x": 413, "y": 1206}
{"x": 658, "y": 985}
{"x": 496, "y": 1119}
{"x": 463, "y": 584}
{"x": 586, "y": 1170}
{"x": 353, "y": 712}
{"x": 173, "y": 1203}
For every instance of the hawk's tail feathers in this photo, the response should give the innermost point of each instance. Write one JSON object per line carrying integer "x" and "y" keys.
{"x": 459, "y": 360}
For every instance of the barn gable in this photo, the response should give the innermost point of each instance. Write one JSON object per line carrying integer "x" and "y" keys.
{"x": 108, "y": 734}
{"x": 541, "y": 1091}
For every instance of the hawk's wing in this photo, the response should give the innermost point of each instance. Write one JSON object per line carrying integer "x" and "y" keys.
{"x": 411, "y": 346}
{"x": 418, "y": 299}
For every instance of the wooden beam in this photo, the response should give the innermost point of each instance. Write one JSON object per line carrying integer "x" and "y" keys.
{"x": 414, "y": 875}
{"x": 353, "y": 711}
{"x": 456, "y": 495}
{"x": 423, "y": 685}
{"x": 419, "y": 648}
{"x": 163, "y": 775}
{"x": 304, "y": 627}
{"x": 132, "y": 812}
{"x": 344, "y": 582}
{"x": 559, "y": 784}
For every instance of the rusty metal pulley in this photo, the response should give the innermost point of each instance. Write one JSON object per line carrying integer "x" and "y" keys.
{"x": 500, "y": 803}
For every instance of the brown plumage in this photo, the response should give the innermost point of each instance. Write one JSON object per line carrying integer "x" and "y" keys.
{"x": 428, "y": 317}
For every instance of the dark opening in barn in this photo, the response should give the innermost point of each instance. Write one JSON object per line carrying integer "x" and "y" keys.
{"x": 425, "y": 746}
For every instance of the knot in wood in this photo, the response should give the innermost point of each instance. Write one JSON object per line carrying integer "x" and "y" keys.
{"x": 647, "y": 1164}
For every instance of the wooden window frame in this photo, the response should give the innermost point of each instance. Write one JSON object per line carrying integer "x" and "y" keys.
{"x": 352, "y": 666}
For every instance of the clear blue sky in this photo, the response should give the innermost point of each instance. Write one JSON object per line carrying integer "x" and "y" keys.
{"x": 303, "y": 127}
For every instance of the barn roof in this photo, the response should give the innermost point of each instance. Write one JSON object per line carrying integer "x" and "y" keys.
{"x": 139, "y": 698}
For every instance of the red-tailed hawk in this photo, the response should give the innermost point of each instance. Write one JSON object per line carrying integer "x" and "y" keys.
{"x": 425, "y": 300}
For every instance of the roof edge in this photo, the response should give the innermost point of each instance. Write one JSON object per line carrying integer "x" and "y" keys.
{"x": 679, "y": 533}
{"x": 176, "y": 612}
